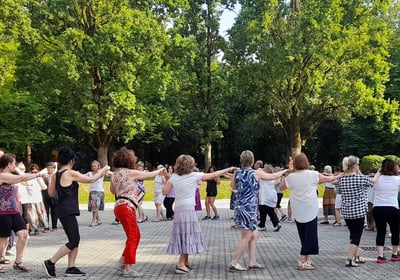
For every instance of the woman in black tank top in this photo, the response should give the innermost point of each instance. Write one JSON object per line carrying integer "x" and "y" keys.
{"x": 65, "y": 185}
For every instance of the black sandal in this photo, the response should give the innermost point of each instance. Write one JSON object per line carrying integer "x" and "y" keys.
{"x": 19, "y": 266}
{"x": 350, "y": 263}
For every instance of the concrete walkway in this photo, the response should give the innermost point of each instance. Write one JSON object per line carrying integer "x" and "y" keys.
{"x": 101, "y": 247}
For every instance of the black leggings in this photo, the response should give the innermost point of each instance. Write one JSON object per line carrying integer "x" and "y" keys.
{"x": 356, "y": 227}
{"x": 384, "y": 215}
{"x": 168, "y": 204}
{"x": 71, "y": 228}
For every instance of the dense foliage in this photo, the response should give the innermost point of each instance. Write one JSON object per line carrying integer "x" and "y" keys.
{"x": 317, "y": 76}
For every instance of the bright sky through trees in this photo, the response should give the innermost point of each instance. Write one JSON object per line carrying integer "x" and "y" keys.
{"x": 227, "y": 20}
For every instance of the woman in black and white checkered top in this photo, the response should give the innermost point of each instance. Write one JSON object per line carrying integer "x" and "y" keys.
{"x": 354, "y": 186}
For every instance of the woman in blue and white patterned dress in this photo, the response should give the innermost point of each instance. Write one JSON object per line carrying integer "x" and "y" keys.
{"x": 245, "y": 181}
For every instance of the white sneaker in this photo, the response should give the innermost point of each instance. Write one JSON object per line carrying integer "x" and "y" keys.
{"x": 262, "y": 229}
{"x": 131, "y": 274}
{"x": 120, "y": 267}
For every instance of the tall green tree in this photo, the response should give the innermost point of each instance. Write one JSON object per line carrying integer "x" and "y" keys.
{"x": 100, "y": 61}
{"x": 21, "y": 114}
{"x": 196, "y": 46}
{"x": 14, "y": 23}
{"x": 311, "y": 61}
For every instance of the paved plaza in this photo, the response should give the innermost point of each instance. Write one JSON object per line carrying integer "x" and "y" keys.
{"x": 102, "y": 245}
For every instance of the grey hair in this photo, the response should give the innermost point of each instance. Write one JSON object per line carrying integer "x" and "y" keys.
{"x": 246, "y": 158}
{"x": 328, "y": 168}
{"x": 352, "y": 161}
{"x": 268, "y": 168}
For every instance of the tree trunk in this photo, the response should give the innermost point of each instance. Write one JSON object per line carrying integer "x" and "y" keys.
{"x": 28, "y": 156}
{"x": 207, "y": 156}
{"x": 295, "y": 148}
{"x": 102, "y": 155}
{"x": 295, "y": 132}
{"x": 295, "y": 5}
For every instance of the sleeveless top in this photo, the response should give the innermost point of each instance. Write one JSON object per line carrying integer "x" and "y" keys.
{"x": 211, "y": 186}
{"x": 128, "y": 188}
{"x": 247, "y": 187}
{"x": 67, "y": 197}
{"x": 247, "y": 198}
{"x": 9, "y": 203}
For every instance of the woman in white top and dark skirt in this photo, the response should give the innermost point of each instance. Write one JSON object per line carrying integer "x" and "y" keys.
{"x": 304, "y": 202}
{"x": 386, "y": 209}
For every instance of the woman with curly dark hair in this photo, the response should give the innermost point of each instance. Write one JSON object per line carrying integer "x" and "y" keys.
{"x": 129, "y": 195}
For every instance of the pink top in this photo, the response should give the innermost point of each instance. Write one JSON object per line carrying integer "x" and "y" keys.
{"x": 125, "y": 186}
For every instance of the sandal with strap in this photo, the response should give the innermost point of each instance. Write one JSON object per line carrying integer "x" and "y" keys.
{"x": 2, "y": 270}
{"x": 359, "y": 260}
{"x": 4, "y": 261}
{"x": 20, "y": 267}
{"x": 350, "y": 263}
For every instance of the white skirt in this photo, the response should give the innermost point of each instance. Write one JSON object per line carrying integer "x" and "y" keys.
{"x": 338, "y": 201}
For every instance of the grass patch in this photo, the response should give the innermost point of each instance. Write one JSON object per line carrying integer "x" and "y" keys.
{"x": 224, "y": 191}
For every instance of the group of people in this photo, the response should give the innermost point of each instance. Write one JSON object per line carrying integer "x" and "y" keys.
{"x": 62, "y": 194}
{"x": 365, "y": 201}
{"x": 24, "y": 201}
{"x": 250, "y": 185}
{"x": 353, "y": 188}
{"x": 302, "y": 181}
{"x": 37, "y": 208}
{"x": 10, "y": 218}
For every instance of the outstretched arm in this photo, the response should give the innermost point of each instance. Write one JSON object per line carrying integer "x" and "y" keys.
{"x": 233, "y": 182}
{"x": 112, "y": 188}
{"x": 282, "y": 185}
{"x": 51, "y": 189}
{"x": 143, "y": 175}
{"x": 166, "y": 188}
{"x": 83, "y": 178}
{"x": 261, "y": 175}
{"x": 216, "y": 174}
{"x": 10, "y": 178}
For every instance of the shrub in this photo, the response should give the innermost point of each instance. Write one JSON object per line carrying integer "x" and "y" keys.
{"x": 370, "y": 161}
{"x": 393, "y": 157}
